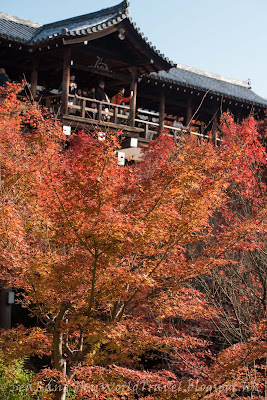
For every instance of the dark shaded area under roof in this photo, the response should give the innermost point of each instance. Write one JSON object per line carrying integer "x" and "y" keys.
{"x": 195, "y": 79}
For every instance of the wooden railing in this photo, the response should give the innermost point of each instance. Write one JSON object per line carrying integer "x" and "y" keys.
{"x": 118, "y": 114}
{"x": 103, "y": 109}
{"x": 151, "y": 128}
{"x": 52, "y": 102}
{"x": 144, "y": 120}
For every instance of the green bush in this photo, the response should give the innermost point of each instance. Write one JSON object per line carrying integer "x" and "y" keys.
{"x": 16, "y": 382}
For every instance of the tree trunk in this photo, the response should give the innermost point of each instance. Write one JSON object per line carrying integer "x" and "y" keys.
{"x": 59, "y": 363}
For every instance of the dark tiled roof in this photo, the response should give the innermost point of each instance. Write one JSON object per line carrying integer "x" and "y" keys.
{"x": 216, "y": 84}
{"x": 17, "y": 29}
{"x": 31, "y": 33}
{"x": 84, "y": 24}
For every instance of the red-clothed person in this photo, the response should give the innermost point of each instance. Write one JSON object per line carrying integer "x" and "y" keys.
{"x": 119, "y": 98}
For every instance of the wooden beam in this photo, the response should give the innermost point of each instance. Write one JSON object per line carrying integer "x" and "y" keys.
{"x": 34, "y": 76}
{"x": 109, "y": 74}
{"x": 161, "y": 111}
{"x": 155, "y": 97}
{"x": 133, "y": 100}
{"x": 189, "y": 111}
{"x": 111, "y": 53}
{"x": 73, "y": 119}
{"x": 170, "y": 101}
{"x": 65, "y": 80}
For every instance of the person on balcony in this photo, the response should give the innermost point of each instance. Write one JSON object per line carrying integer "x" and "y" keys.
{"x": 91, "y": 93}
{"x": 73, "y": 88}
{"x": 100, "y": 93}
{"x": 120, "y": 99}
{"x": 73, "y": 91}
{"x": 73, "y": 85}
{"x": 102, "y": 96}
{"x": 178, "y": 123}
{"x": 92, "y": 104}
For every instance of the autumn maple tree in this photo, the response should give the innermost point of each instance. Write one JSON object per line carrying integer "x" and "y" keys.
{"x": 237, "y": 290}
{"x": 104, "y": 255}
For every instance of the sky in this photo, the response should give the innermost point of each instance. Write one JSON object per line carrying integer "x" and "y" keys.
{"x": 226, "y": 37}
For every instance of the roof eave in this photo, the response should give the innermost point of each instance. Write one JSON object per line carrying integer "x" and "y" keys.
{"x": 214, "y": 92}
{"x": 156, "y": 56}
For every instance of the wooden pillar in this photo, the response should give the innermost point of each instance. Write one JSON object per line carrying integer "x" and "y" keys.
{"x": 133, "y": 100}
{"x": 5, "y": 309}
{"x": 34, "y": 76}
{"x": 83, "y": 108}
{"x": 115, "y": 115}
{"x": 100, "y": 108}
{"x": 161, "y": 111}
{"x": 189, "y": 111}
{"x": 65, "y": 80}
{"x": 146, "y": 131}
{"x": 215, "y": 128}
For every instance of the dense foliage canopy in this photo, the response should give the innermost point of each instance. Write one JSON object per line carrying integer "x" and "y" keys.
{"x": 141, "y": 277}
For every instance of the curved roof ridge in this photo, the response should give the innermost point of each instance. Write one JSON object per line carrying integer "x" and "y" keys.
{"x": 120, "y": 8}
{"x": 19, "y": 20}
{"x": 237, "y": 82}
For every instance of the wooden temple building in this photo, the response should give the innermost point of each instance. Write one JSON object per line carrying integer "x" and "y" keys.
{"x": 107, "y": 46}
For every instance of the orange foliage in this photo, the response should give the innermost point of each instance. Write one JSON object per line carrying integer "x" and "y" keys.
{"x": 100, "y": 252}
